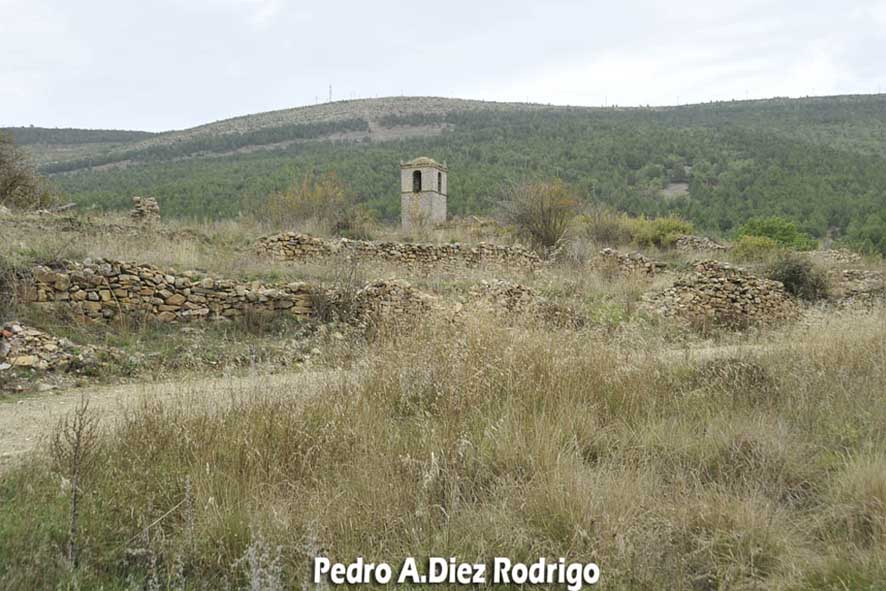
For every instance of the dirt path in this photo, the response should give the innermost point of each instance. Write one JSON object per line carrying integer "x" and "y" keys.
{"x": 25, "y": 424}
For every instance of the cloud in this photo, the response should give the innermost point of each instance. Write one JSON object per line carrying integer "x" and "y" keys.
{"x": 176, "y": 63}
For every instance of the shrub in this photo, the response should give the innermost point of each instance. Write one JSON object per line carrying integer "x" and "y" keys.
{"x": 540, "y": 211}
{"x": 800, "y": 277}
{"x": 782, "y": 231}
{"x": 755, "y": 248}
{"x": 20, "y": 186}
{"x": 605, "y": 226}
{"x": 660, "y": 232}
{"x": 325, "y": 203}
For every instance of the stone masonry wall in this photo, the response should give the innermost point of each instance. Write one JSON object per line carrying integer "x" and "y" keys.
{"x": 103, "y": 290}
{"x": 295, "y": 246}
{"x": 720, "y": 293}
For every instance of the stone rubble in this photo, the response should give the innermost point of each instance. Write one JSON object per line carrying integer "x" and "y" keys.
{"x": 145, "y": 209}
{"x": 626, "y": 263}
{"x": 296, "y": 246}
{"x": 719, "y": 293}
{"x": 23, "y": 347}
{"x": 392, "y": 299}
{"x": 858, "y": 286}
{"x": 696, "y": 243}
{"x": 515, "y": 301}
{"x": 839, "y": 256}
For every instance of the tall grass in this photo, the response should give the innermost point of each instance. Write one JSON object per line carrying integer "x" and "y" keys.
{"x": 757, "y": 470}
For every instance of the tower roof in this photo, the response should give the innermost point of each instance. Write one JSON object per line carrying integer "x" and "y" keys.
{"x": 423, "y": 161}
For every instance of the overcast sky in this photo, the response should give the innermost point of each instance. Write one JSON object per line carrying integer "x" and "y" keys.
{"x": 169, "y": 64}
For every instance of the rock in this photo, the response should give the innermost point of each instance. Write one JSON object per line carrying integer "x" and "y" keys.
{"x": 176, "y": 299}
{"x": 24, "y": 360}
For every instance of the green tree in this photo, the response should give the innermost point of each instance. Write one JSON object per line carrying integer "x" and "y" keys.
{"x": 782, "y": 231}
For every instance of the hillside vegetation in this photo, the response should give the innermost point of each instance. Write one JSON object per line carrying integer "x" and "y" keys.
{"x": 819, "y": 162}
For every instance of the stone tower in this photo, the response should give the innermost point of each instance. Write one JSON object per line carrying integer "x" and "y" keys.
{"x": 423, "y": 189}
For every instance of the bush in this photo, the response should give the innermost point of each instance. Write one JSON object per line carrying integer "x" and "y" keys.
{"x": 20, "y": 186}
{"x": 660, "y": 232}
{"x": 606, "y": 227}
{"x": 326, "y": 204}
{"x": 780, "y": 230}
{"x": 800, "y": 277}
{"x": 755, "y": 248}
{"x": 540, "y": 211}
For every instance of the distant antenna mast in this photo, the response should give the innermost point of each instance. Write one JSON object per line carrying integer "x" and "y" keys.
{"x": 330, "y": 93}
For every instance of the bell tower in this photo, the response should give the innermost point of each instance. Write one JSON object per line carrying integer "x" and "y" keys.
{"x": 423, "y": 189}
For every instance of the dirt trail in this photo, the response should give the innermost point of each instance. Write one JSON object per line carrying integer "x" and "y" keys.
{"x": 25, "y": 423}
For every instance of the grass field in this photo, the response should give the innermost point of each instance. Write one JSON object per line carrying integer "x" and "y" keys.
{"x": 671, "y": 458}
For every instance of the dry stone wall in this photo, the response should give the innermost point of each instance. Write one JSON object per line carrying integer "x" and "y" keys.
{"x": 145, "y": 209}
{"x": 104, "y": 289}
{"x": 858, "y": 286}
{"x": 719, "y": 293}
{"x": 839, "y": 256}
{"x": 626, "y": 263}
{"x": 696, "y": 243}
{"x": 300, "y": 247}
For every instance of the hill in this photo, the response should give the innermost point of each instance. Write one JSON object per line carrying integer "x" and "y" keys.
{"x": 818, "y": 161}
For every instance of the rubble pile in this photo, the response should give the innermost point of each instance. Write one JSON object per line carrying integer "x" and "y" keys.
{"x": 506, "y": 296}
{"x": 519, "y": 302}
{"x": 696, "y": 243}
{"x": 839, "y": 256}
{"x": 719, "y": 293}
{"x": 23, "y": 347}
{"x": 626, "y": 263}
{"x": 858, "y": 286}
{"x": 296, "y": 246}
{"x": 145, "y": 209}
{"x": 390, "y": 299}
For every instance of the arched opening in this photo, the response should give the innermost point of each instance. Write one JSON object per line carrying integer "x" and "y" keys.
{"x": 439, "y": 182}
{"x": 416, "y": 181}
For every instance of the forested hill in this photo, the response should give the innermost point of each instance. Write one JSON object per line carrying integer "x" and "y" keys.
{"x": 818, "y": 161}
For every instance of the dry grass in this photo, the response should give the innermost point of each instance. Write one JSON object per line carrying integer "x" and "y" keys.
{"x": 480, "y": 441}
{"x": 733, "y": 461}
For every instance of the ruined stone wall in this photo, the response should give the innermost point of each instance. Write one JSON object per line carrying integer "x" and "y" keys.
{"x": 719, "y": 293}
{"x": 103, "y": 290}
{"x": 610, "y": 259}
{"x": 698, "y": 243}
{"x": 299, "y": 247}
{"x": 145, "y": 209}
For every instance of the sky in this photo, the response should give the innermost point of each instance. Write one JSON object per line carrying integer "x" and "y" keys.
{"x": 157, "y": 65}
